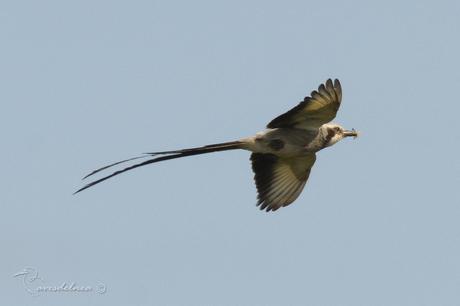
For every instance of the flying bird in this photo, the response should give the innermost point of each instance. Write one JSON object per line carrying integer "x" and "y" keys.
{"x": 282, "y": 155}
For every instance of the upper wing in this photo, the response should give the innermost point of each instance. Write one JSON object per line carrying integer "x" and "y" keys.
{"x": 313, "y": 111}
{"x": 280, "y": 181}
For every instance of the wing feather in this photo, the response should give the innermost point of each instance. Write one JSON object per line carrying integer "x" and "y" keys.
{"x": 280, "y": 181}
{"x": 319, "y": 108}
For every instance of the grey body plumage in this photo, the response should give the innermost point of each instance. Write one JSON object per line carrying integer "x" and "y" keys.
{"x": 283, "y": 154}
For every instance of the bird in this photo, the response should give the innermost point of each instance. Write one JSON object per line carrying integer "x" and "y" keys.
{"x": 282, "y": 155}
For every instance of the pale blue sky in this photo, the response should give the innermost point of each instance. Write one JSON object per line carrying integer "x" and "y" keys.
{"x": 90, "y": 82}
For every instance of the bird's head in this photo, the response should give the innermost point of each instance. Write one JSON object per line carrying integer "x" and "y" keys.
{"x": 333, "y": 133}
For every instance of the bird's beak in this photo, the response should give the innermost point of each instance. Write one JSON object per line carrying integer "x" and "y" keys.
{"x": 352, "y": 133}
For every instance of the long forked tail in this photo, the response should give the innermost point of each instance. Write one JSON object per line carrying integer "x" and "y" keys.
{"x": 232, "y": 145}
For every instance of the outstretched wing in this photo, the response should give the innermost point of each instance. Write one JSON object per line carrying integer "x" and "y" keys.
{"x": 280, "y": 181}
{"x": 313, "y": 111}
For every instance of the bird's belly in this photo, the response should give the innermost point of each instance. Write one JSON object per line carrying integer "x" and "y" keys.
{"x": 281, "y": 142}
{"x": 279, "y": 148}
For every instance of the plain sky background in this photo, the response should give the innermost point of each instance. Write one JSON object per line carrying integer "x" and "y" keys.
{"x": 85, "y": 83}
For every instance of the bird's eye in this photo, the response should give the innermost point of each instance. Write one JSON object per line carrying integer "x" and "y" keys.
{"x": 337, "y": 129}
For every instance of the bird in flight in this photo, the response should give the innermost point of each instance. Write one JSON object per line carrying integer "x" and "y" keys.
{"x": 282, "y": 155}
